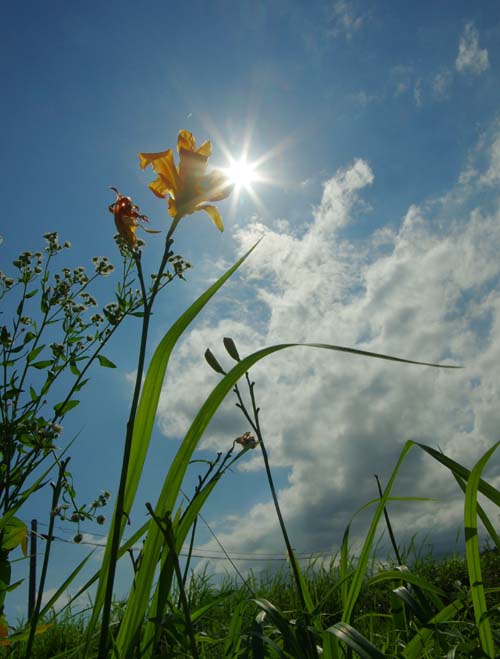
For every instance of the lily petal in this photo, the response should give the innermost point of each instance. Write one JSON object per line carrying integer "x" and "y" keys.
{"x": 205, "y": 149}
{"x": 214, "y": 215}
{"x": 146, "y": 159}
{"x": 216, "y": 186}
{"x": 192, "y": 168}
{"x": 186, "y": 141}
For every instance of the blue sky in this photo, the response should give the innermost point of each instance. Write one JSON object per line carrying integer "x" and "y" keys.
{"x": 379, "y": 128}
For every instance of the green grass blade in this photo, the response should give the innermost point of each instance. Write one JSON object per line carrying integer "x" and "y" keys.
{"x": 473, "y": 557}
{"x": 284, "y": 626}
{"x": 139, "y": 598}
{"x": 485, "y": 488}
{"x": 356, "y": 641}
{"x": 146, "y": 413}
{"x": 344, "y": 572}
{"x": 408, "y": 577}
{"x": 482, "y": 516}
{"x": 232, "y": 644}
{"x": 415, "y": 648}
{"x": 123, "y": 549}
{"x": 62, "y": 588}
{"x": 162, "y": 591}
{"x": 360, "y": 571}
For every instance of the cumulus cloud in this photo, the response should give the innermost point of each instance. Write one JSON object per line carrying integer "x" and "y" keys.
{"x": 427, "y": 290}
{"x": 471, "y": 59}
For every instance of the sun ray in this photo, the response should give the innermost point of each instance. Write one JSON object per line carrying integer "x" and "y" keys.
{"x": 245, "y": 172}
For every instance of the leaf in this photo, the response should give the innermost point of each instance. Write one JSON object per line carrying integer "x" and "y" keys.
{"x": 73, "y": 367}
{"x": 213, "y": 363}
{"x": 139, "y": 598}
{"x": 31, "y": 293}
{"x": 81, "y": 384}
{"x": 33, "y": 394}
{"x": 34, "y": 353}
{"x": 43, "y": 364}
{"x": 231, "y": 348}
{"x": 104, "y": 361}
{"x": 62, "y": 408}
{"x": 29, "y": 336}
{"x": 473, "y": 557}
{"x": 143, "y": 427}
{"x": 355, "y": 641}
{"x": 14, "y": 534}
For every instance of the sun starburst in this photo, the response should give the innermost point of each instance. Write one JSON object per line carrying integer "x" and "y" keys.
{"x": 241, "y": 173}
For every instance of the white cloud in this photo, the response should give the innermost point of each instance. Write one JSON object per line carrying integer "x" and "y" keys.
{"x": 441, "y": 83}
{"x": 345, "y": 20}
{"x": 471, "y": 59}
{"x": 492, "y": 175}
{"x": 427, "y": 290}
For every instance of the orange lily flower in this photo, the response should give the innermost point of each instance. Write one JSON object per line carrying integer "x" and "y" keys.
{"x": 127, "y": 217}
{"x": 188, "y": 184}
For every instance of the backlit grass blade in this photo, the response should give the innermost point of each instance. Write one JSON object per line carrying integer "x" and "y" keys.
{"x": 485, "y": 488}
{"x": 146, "y": 413}
{"x": 360, "y": 571}
{"x": 345, "y": 571}
{"x": 62, "y": 588}
{"x": 123, "y": 549}
{"x": 482, "y": 516}
{"x": 162, "y": 591}
{"x": 473, "y": 557}
{"x": 139, "y": 598}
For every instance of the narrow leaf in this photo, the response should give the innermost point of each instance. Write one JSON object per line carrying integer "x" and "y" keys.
{"x": 213, "y": 363}
{"x": 231, "y": 348}
{"x": 62, "y": 408}
{"x": 473, "y": 557}
{"x": 356, "y": 641}
{"x": 34, "y": 354}
{"x": 104, "y": 361}
{"x": 43, "y": 364}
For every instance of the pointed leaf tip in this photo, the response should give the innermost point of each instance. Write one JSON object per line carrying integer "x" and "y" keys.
{"x": 231, "y": 348}
{"x": 213, "y": 363}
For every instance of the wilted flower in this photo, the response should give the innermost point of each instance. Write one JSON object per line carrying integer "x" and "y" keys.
{"x": 188, "y": 184}
{"x": 127, "y": 218}
{"x": 246, "y": 440}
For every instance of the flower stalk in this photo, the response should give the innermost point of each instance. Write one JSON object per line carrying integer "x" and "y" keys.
{"x": 121, "y": 515}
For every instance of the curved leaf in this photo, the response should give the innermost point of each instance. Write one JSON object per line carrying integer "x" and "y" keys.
{"x": 139, "y": 598}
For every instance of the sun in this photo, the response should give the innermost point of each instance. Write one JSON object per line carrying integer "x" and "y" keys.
{"x": 241, "y": 173}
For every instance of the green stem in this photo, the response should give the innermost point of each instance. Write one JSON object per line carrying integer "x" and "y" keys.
{"x": 56, "y": 493}
{"x": 255, "y": 424}
{"x": 120, "y": 513}
{"x": 169, "y": 536}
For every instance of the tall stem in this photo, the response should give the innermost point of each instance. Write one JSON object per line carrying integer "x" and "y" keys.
{"x": 120, "y": 513}
{"x": 289, "y": 548}
{"x": 56, "y": 493}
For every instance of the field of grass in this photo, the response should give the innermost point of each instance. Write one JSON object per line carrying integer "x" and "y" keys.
{"x": 230, "y": 621}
